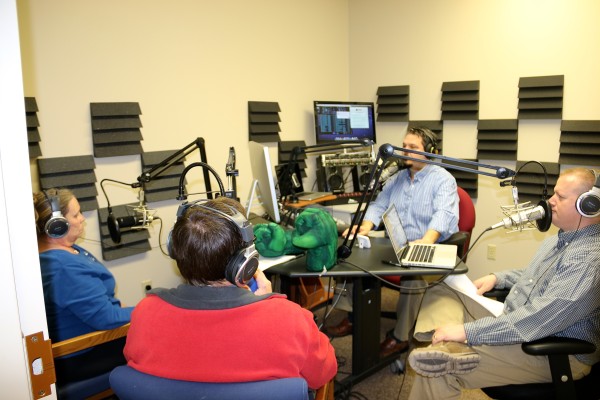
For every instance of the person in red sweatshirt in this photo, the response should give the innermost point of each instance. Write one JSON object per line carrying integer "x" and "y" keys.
{"x": 213, "y": 328}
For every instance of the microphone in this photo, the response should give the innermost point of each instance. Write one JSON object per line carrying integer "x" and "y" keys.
{"x": 521, "y": 216}
{"x": 391, "y": 169}
{"x": 295, "y": 182}
{"x": 140, "y": 220}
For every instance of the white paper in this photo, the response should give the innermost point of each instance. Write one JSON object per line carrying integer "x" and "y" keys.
{"x": 461, "y": 283}
{"x": 267, "y": 262}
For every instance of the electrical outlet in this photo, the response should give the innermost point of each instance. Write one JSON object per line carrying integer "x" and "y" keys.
{"x": 146, "y": 285}
{"x": 491, "y": 252}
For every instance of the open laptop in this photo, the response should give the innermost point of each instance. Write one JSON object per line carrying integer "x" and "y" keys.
{"x": 419, "y": 254}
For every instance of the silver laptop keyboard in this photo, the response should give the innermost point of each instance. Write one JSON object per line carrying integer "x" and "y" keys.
{"x": 421, "y": 253}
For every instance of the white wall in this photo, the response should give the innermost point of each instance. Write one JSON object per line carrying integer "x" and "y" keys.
{"x": 194, "y": 65}
{"x": 426, "y": 43}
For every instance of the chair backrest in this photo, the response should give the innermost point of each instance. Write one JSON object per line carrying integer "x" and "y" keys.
{"x": 466, "y": 211}
{"x": 130, "y": 384}
{"x": 466, "y": 219}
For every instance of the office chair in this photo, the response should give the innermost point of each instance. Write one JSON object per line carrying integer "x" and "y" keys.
{"x": 130, "y": 384}
{"x": 562, "y": 386}
{"x": 97, "y": 387}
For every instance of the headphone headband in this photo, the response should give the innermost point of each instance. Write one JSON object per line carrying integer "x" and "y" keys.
{"x": 243, "y": 225}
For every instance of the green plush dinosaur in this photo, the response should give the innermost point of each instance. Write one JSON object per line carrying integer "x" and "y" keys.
{"x": 314, "y": 232}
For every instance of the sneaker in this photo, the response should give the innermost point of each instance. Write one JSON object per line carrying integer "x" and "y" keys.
{"x": 443, "y": 358}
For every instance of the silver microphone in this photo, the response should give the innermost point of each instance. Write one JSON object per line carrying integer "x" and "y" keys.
{"x": 391, "y": 170}
{"x": 518, "y": 218}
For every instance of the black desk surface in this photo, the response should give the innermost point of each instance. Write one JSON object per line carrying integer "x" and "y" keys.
{"x": 370, "y": 260}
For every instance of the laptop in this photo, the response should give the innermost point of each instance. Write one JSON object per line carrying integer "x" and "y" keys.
{"x": 419, "y": 254}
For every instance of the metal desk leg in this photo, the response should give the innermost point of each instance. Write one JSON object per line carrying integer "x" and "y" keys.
{"x": 367, "y": 324}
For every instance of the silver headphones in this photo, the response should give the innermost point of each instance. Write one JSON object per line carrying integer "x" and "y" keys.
{"x": 57, "y": 226}
{"x": 588, "y": 203}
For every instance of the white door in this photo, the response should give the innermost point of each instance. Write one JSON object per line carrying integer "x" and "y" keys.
{"x": 21, "y": 299}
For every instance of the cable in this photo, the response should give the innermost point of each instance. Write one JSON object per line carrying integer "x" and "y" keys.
{"x": 336, "y": 300}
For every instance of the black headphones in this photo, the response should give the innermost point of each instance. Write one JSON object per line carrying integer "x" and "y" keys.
{"x": 243, "y": 264}
{"x": 57, "y": 226}
{"x": 588, "y": 203}
{"x": 429, "y": 138}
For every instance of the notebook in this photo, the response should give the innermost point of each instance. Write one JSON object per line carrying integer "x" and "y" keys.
{"x": 416, "y": 255}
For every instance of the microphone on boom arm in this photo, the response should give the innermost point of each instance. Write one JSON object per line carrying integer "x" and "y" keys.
{"x": 521, "y": 216}
{"x": 141, "y": 219}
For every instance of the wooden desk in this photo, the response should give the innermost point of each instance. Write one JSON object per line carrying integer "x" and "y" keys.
{"x": 366, "y": 299}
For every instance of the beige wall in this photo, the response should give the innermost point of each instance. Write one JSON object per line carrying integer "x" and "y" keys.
{"x": 193, "y": 66}
{"x": 426, "y": 43}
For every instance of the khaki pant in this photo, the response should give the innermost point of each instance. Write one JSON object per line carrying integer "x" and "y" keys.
{"x": 498, "y": 365}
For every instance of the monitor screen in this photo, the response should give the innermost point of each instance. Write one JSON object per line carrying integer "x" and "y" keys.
{"x": 344, "y": 121}
{"x": 262, "y": 169}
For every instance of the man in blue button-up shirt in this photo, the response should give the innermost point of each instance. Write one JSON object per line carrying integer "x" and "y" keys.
{"x": 426, "y": 198}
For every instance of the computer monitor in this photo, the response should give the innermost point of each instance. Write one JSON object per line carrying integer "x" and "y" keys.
{"x": 262, "y": 170}
{"x": 344, "y": 121}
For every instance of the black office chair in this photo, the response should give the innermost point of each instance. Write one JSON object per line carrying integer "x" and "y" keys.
{"x": 562, "y": 386}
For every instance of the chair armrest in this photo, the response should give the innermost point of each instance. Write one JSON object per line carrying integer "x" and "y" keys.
{"x": 325, "y": 392}
{"x": 457, "y": 238}
{"x": 557, "y": 345}
{"x": 88, "y": 340}
{"x": 498, "y": 294}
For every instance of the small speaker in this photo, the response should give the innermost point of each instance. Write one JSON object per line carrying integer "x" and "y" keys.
{"x": 360, "y": 177}
{"x": 330, "y": 179}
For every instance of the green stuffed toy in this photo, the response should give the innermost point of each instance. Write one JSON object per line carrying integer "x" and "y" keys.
{"x": 315, "y": 232}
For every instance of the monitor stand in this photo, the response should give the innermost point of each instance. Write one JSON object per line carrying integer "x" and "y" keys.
{"x": 251, "y": 197}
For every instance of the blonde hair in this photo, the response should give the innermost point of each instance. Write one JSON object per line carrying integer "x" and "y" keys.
{"x": 585, "y": 176}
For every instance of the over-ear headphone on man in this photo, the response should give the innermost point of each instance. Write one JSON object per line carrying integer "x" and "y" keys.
{"x": 430, "y": 140}
{"x": 57, "y": 226}
{"x": 588, "y": 203}
{"x": 243, "y": 264}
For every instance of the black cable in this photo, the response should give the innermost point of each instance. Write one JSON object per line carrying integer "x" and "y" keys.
{"x": 160, "y": 243}
{"x": 132, "y": 185}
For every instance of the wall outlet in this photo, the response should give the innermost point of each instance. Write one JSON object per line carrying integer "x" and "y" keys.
{"x": 146, "y": 285}
{"x": 491, "y": 252}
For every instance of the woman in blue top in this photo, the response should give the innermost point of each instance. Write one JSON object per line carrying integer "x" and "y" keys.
{"x": 79, "y": 292}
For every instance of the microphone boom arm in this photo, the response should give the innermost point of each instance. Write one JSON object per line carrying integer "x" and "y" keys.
{"x": 387, "y": 151}
{"x": 174, "y": 158}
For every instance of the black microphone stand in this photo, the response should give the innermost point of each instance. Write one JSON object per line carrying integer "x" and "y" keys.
{"x": 387, "y": 151}
{"x": 161, "y": 167}
{"x": 174, "y": 158}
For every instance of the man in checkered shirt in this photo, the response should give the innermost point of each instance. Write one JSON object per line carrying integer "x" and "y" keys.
{"x": 556, "y": 295}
